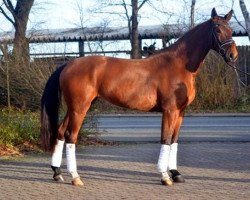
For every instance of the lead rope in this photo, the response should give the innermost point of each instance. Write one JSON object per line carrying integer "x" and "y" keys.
{"x": 235, "y": 68}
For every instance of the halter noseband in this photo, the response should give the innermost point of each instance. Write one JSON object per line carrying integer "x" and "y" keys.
{"x": 222, "y": 50}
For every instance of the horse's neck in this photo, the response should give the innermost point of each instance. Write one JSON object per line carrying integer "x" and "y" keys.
{"x": 194, "y": 47}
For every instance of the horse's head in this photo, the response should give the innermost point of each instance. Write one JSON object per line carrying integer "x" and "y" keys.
{"x": 222, "y": 37}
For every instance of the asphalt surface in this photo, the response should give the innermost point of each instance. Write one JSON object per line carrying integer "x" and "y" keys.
{"x": 212, "y": 169}
{"x": 200, "y": 128}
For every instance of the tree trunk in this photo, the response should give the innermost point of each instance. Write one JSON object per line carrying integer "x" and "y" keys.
{"x": 21, "y": 44}
{"x": 135, "y": 44}
{"x": 192, "y": 14}
{"x": 246, "y": 16}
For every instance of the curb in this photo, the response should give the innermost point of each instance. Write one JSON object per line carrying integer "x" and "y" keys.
{"x": 187, "y": 115}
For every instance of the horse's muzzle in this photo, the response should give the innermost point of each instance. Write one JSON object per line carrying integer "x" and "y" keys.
{"x": 230, "y": 55}
{"x": 231, "y": 58}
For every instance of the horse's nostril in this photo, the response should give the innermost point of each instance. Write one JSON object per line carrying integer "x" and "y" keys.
{"x": 232, "y": 57}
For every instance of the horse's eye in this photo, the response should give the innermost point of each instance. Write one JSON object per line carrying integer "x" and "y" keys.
{"x": 218, "y": 30}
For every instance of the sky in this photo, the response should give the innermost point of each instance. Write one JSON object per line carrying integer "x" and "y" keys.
{"x": 54, "y": 14}
{"x": 65, "y": 14}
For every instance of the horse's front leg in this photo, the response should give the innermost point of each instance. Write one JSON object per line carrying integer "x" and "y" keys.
{"x": 171, "y": 121}
{"x": 172, "y": 165}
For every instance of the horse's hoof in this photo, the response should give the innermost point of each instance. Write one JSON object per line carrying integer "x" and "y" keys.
{"x": 77, "y": 182}
{"x": 167, "y": 182}
{"x": 58, "y": 178}
{"x": 176, "y": 176}
{"x": 179, "y": 179}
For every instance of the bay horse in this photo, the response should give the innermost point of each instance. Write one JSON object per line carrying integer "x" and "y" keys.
{"x": 163, "y": 82}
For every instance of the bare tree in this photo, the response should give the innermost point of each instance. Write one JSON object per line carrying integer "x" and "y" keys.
{"x": 132, "y": 20}
{"x": 102, "y": 26}
{"x": 131, "y": 14}
{"x": 135, "y": 42}
{"x": 245, "y": 15}
{"x": 18, "y": 14}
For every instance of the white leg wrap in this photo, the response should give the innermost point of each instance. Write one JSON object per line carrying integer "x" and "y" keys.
{"x": 71, "y": 160}
{"x": 165, "y": 176}
{"x": 172, "y": 162}
{"x": 163, "y": 158}
{"x": 56, "y": 159}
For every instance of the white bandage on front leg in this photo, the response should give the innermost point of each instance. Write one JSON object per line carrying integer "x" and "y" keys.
{"x": 172, "y": 162}
{"x": 56, "y": 159}
{"x": 71, "y": 160}
{"x": 163, "y": 158}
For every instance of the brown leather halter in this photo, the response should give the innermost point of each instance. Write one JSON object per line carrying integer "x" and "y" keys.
{"x": 223, "y": 50}
{"x": 222, "y": 45}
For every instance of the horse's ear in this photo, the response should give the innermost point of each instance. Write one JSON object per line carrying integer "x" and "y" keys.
{"x": 214, "y": 13}
{"x": 228, "y": 15}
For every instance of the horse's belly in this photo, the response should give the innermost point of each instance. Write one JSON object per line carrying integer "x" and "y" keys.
{"x": 143, "y": 102}
{"x": 136, "y": 100}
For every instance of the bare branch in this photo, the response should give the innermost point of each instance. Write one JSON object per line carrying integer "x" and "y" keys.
{"x": 6, "y": 15}
{"x": 107, "y": 12}
{"x": 245, "y": 15}
{"x": 127, "y": 16}
{"x": 143, "y": 2}
{"x": 160, "y": 11}
{"x": 9, "y": 6}
{"x": 234, "y": 16}
{"x": 126, "y": 10}
{"x": 244, "y": 9}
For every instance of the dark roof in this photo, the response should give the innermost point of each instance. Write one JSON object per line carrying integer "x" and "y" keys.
{"x": 100, "y": 33}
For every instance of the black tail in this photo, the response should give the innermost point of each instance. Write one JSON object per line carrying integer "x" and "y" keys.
{"x": 50, "y": 104}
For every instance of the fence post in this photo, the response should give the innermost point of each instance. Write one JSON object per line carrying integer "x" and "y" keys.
{"x": 244, "y": 63}
{"x": 81, "y": 47}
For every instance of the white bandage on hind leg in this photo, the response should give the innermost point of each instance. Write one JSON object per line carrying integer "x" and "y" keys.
{"x": 56, "y": 159}
{"x": 163, "y": 158}
{"x": 165, "y": 176}
{"x": 71, "y": 160}
{"x": 172, "y": 162}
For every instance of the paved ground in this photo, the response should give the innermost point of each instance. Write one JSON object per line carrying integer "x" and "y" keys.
{"x": 212, "y": 171}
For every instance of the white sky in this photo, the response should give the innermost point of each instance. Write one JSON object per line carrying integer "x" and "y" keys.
{"x": 64, "y": 14}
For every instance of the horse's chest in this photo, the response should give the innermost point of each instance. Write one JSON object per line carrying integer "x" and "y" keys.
{"x": 191, "y": 95}
{"x": 191, "y": 90}
{"x": 184, "y": 94}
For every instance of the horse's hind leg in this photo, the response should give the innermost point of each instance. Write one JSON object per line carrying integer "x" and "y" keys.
{"x": 56, "y": 159}
{"x": 76, "y": 118}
